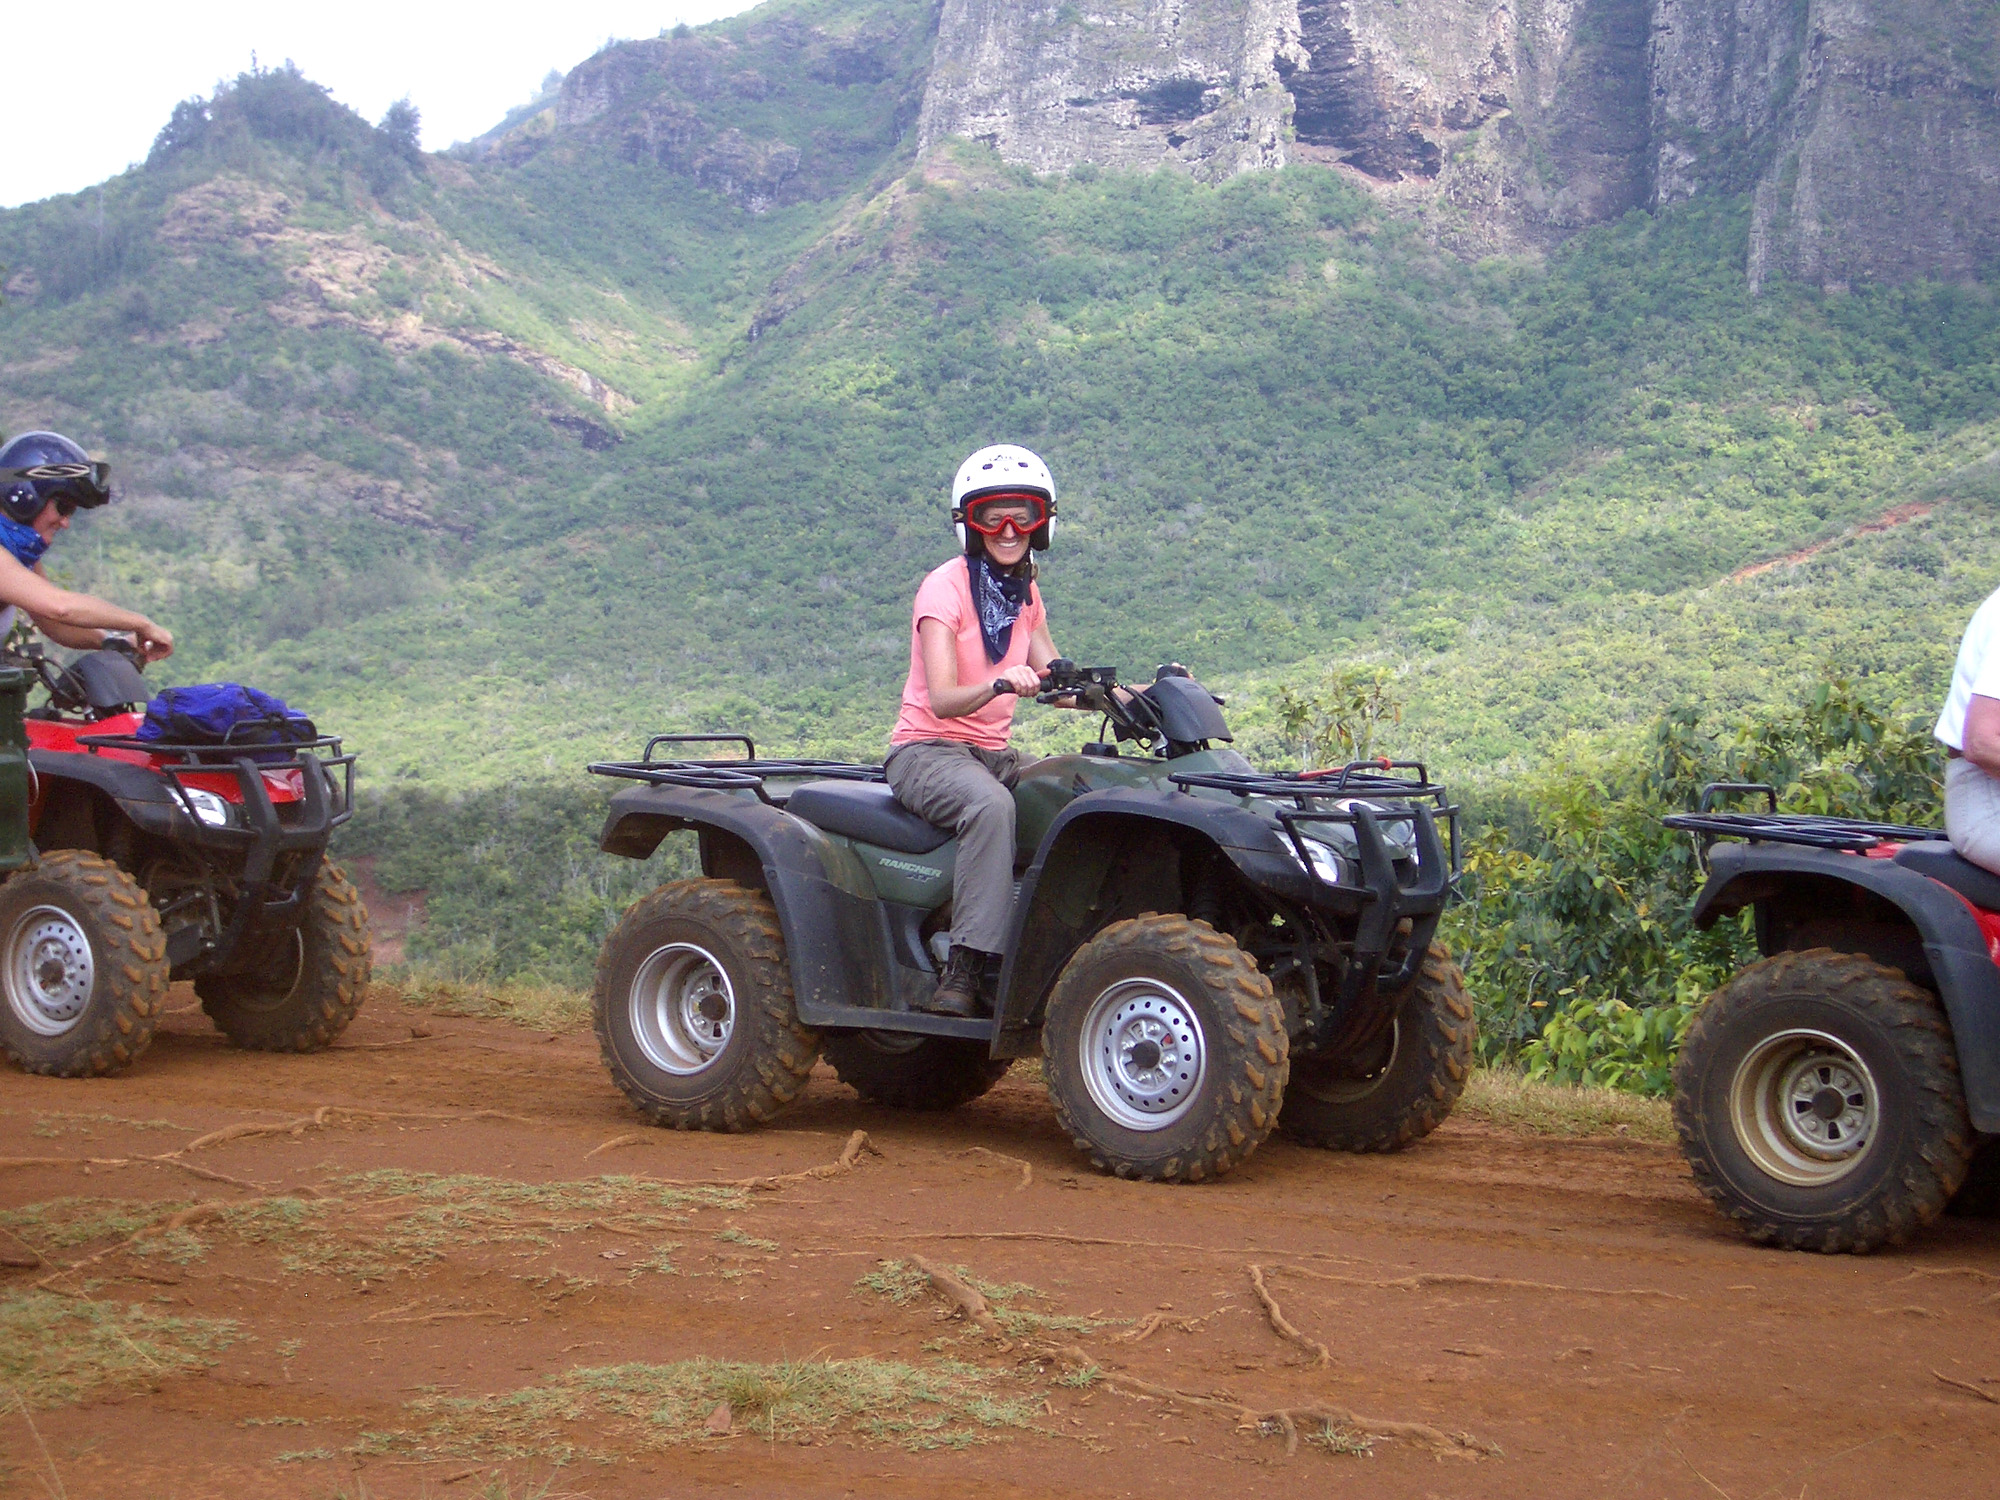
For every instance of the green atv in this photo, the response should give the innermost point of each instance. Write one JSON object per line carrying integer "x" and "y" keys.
{"x": 1201, "y": 951}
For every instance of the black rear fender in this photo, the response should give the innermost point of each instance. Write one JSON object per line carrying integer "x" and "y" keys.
{"x": 839, "y": 939}
{"x": 1816, "y": 898}
{"x": 1112, "y": 855}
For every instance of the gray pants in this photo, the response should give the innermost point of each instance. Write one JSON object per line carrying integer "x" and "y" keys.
{"x": 1972, "y": 812}
{"x": 969, "y": 791}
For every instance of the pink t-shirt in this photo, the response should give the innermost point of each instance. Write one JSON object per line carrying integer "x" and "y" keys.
{"x": 946, "y": 594}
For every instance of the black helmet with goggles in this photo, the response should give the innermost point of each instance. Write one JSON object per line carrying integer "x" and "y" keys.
{"x": 39, "y": 468}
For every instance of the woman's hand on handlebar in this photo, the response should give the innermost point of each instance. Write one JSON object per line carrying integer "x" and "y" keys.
{"x": 1024, "y": 680}
{"x": 155, "y": 641}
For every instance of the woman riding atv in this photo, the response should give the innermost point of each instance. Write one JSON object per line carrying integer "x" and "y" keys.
{"x": 44, "y": 480}
{"x": 979, "y": 638}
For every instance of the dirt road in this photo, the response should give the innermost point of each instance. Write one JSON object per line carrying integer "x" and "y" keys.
{"x": 449, "y": 1274}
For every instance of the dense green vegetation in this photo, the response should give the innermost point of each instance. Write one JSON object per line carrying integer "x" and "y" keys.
{"x": 1575, "y": 934}
{"x": 498, "y": 462}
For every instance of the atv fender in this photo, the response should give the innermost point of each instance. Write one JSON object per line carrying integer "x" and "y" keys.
{"x": 849, "y": 959}
{"x": 1954, "y": 957}
{"x": 80, "y": 800}
{"x": 1142, "y": 837}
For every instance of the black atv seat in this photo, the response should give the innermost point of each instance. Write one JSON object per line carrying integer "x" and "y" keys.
{"x": 865, "y": 810}
{"x": 1944, "y": 864}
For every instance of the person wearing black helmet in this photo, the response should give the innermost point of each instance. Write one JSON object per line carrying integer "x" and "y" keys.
{"x": 44, "y": 480}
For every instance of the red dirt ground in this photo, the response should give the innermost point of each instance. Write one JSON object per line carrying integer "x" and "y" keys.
{"x": 1637, "y": 1348}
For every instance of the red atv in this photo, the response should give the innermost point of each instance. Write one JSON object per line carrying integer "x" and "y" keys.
{"x": 153, "y": 862}
{"x": 1834, "y": 1095}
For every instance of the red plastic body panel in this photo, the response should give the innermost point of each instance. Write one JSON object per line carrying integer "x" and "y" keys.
{"x": 1989, "y": 922}
{"x": 60, "y": 735}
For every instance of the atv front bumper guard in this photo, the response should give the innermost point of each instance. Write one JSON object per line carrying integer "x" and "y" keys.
{"x": 263, "y": 902}
{"x": 1365, "y": 797}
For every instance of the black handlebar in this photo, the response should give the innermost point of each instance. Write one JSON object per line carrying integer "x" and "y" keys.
{"x": 1132, "y": 716}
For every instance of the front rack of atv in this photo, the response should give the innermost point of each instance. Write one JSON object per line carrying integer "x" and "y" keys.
{"x": 1811, "y": 830}
{"x": 247, "y": 762}
{"x": 745, "y": 774}
{"x": 1309, "y": 791}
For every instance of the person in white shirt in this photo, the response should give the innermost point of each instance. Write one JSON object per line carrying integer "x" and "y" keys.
{"x": 1969, "y": 729}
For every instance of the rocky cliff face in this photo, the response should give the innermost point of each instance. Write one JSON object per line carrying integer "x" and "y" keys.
{"x": 1131, "y": 84}
{"x": 1885, "y": 160}
{"x": 1868, "y": 130}
{"x": 766, "y": 109}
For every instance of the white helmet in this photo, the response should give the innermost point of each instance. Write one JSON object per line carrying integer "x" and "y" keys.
{"x": 1004, "y": 467}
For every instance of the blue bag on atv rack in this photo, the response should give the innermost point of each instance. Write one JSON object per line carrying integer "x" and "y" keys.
{"x": 223, "y": 713}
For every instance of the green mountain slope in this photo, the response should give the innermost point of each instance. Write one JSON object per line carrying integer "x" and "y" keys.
{"x": 497, "y": 463}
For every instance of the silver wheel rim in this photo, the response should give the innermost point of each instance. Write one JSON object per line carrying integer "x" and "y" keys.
{"x": 48, "y": 970}
{"x": 1330, "y": 1089}
{"x": 1804, "y": 1107}
{"x": 682, "y": 1008}
{"x": 1142, "y": 1054}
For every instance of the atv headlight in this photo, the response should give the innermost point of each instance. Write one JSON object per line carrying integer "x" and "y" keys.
{"x": 1324, "y": 862}
{"x": 208, "y": 807}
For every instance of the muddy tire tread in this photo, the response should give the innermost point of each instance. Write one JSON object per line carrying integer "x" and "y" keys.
{"x": 1251, "y": 1049}
{"x": 132, "y": 960}
{"x": 338, "y": 963}
{"x": 1921, "y": 1036}
{"x": 784, "y": 1049}
{"x": 1447, "y": 1039}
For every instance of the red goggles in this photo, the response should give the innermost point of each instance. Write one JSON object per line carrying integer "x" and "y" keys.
{"x": 991, "y": 515}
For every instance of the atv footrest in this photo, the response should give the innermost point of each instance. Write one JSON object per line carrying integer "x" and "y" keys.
{"x": 863, "y": 1018}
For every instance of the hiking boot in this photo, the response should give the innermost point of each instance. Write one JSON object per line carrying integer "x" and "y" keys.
{"x": 957, "y": 993}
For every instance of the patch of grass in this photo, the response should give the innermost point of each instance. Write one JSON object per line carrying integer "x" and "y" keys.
{"x": 55, "y": 1350}
{"x": 659, "y": 1406}
{"x": 735, "y": 1236}
{"x": 181, "y": 1246}
{"x": 661, "y": 1260}
{"x": 376, "y": 1224}
{"x": 1342, "y": 1440}
{"x": 1078, "y": 1380}
{"x": 525, "y": 1002}
{"x": 1020, "y": 1320}
{"x": 1500, "y": 1096}
{"x": 303, "y": 1456}
{"x": 902, "y": 1283}
{"x": 63, "y": 1223}
{"x": 430, "y": 1214}
{"x": 893, "y": 1279}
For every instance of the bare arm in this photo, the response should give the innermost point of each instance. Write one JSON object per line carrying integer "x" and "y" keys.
{"x": 1041, "y": 648}
{"x": 948, "y": 699}
{"x": 77, "y": 637}
{"x": 72, "y": 619}
{"x": 1982, "y": 734}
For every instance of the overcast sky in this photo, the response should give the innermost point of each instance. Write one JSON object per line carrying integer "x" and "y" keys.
{"x": 91, "y": 83}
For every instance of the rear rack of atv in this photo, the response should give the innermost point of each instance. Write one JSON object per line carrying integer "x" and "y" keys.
{"x": 1812, "y": 830}
{"x": 1309, "y": 791}
{"x": 747, "y": 773}
{"x": 245, "y": 761}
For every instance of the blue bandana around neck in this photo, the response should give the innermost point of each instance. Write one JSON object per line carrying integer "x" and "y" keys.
{"x": 998, "y": 596}
{"x": 24, "y": 542}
